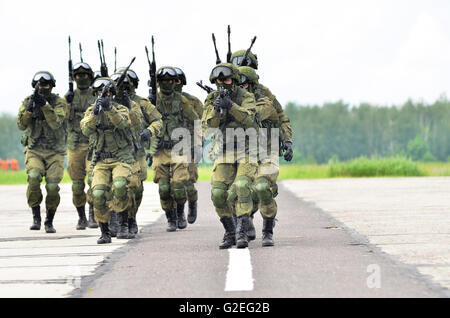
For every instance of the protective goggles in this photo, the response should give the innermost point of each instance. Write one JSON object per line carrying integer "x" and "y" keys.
{"x": 237, "y": 60}
{"x": 115, "y": 77}
{"x": 42, "y": 76}
{"x": 244, "y": 79}
{"x": 221, "y": 71}
{"x": 99, "y": 83}
{"x": 82, "y": 65}
{"x": 166, "y": 71}
{"x": 179, "y": 71}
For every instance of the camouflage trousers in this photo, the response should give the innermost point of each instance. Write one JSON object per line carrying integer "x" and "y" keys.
{"x": 111, "y": 188}
{"x": 44, "y": 163}
{"x": 192, "y": 194}
{"x": 139, "y": 175}
{"x": 77, "y": 169}
{"x": 265, "y": 189}
{"x": 171, "y": 175}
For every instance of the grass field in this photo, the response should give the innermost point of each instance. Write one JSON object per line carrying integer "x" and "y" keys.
{"x": 356, "y": 168}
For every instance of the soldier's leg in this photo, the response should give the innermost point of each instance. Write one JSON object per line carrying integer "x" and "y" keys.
{"x": 76, "y": 168}
{"x": 180, "y": 176}
{"x": 92, "y": 223}
{"x": 35, "y": 169}
{"x": 101, "y": 179}
{"x": 123, "y": 197}
{"x": 54, "y": 165}
{"x": 137, "y": 183}
{"x": 244, "y": 178}
{"x": 222, "y": 178}
{"x": 192, "y": 194}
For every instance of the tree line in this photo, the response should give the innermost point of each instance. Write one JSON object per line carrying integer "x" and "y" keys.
{"x": 336, "y": 131}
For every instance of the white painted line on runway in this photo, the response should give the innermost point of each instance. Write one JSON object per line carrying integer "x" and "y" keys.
{"x": 240, "y": 272}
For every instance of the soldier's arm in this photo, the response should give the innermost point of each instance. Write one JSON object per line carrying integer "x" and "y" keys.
{"x": 24, "y": 118}
{"x": 153, "y": 116}
{"x": 210, "y": 118}
{"x": 188, "y": 109}
{"x": 245, "y": 113}
{"x": 56, "y": 116}
{"x": 135, "y": 114}
{"x": 284, "y": 120}
{"x": 266, "y": 110}
{"x": 88, "y": 123}
{"x": 120, "y": 117}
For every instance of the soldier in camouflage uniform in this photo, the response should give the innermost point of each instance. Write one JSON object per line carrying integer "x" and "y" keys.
{"x": 171, "y": 170}
{"x": 145, "y": 122}
{"x": 79, "y": 101}
{"x": 112, "y": 160}
{"x": 192, "y": 194}
{"x": 42, "y": 117}
{"x": 234, "y": 166}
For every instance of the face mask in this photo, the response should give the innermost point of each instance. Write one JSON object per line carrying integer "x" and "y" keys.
{"x": 229, "y": 87}
{"x": 45, "y": 91}
{"x": 166, "y": 88}
{"x": 83, "y": 83}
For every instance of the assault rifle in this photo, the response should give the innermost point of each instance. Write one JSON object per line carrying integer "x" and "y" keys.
{"x": 70, "y": 80}
{"x": 218, "y": 61}
{"x": 31, "y": 106}
{"x": 103, "y": 67}
{"x": 229, "y": 46}
{"x": 205, "y": 87}
{"x": 152, "y": 73}
{"x": 245, "y": 57}
{"x": 81, "y": 53}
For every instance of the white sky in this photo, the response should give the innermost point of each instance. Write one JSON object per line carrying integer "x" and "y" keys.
{"x": 309, "y": 52}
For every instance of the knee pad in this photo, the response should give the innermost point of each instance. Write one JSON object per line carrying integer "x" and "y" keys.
{"x": 262, "y": 188}
{"x": 89, "y": 179}
{"x": 34, "y": 178}
{"x": 120, "y": 188}
{"x": 232, "y": 194}
{"x": 78, "y": 187}
{"x": 190, "y": 189}
{"x": 219, "y": 195}
{"x": 244, "y": 194}
{"x": 164, "y": 189}
{"x": 179, "y": 191}
{"x": 52, "y": 189}
{"x": 99, "y": 196}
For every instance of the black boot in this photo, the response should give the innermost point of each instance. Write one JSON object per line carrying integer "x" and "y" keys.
{"x": 172, "y": 220}
{"x": 192, "y": 214}
{"x": 267, "y": 233}
{"x": 113, "y": 225}
{"x": 229, "y": 238}
{"x": 132, "y": 226}
{"x": 181, "y": 218}
{"x": 36, "y": 226}
{"x": 82, "y": 221}
{"x": 124, "y": 232}
{"x": 106, "y": 234}
{"x": 48, "y": 223}
{"x": 92, "y": 224}
{"x": 251, "y": 232}
{"x": 241, "y": 231}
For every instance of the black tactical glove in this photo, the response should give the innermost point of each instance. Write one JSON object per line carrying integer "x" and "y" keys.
{"x": 288, "y": 152}
{"x": 224, "y": 103}
{"x": 106, "y": 103}
{"x": 39, "y": 100}
{"x": 145, "y": 134}
{"x": 69, "y": 96}
{"x": 149, "y": 159}
{"x": 126, "y": 101}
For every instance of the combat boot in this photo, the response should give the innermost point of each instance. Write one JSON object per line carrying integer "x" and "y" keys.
{"x": 132, "y": 226}
{"x": 113, "y": 225}
{"x": 124, "y": 232}
{"x": 229, "y": 238}
{"x": 251, "y": 233}
{"x": 181, "y": 218}
{"x": 82, "y": 221}
{"x": 106, "y": 234}
{"x": 92, "y": 224}
{"x": 48, "y": 223}
{"x": 36, "y": 226}
{"x": 267, "y": 232}
{"x": 241, "y": 231}
{"x": 171, "y": 216}
{"x": 192, "y": 214}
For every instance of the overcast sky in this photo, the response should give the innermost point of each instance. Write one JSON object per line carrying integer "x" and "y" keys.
{"x": 310, "y": 52}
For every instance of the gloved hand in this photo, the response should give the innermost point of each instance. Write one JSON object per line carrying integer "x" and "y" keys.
{"x": 145, "y": 134}
{"x": 69, "y": 97}
{"x": 39, "y": 100}
{"x": 288, "y": 151}
{"x": 126, "y": 101}
{"x": 106, "y": 103}
{"x": 223, "y": 103}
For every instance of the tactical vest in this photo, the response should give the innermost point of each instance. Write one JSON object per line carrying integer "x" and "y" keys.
{"x": 110, "y": 142}
{"x": 80, "y": 103}
{"x": 172, "y": 118}
{"x": 41, "y": 136}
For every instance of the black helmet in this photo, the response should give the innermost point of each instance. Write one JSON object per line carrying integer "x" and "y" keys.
{"x": 43, "y": 77}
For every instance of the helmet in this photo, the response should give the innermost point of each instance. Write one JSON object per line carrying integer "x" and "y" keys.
{"x": 82, "y": 67}
{"x": 100, "y": 82}
{"x": 224, "y": 70}
{"x": 166, "y": 72}
{"x": 43, "y": 77}
{"x": 131, "y": 75}
{"x": 97, "y": 74}
{"x": 181, "y": 75}
{"x": 248, "y": 74}
{"x": 238, "y": 56}
{"x": 115, "y": 77}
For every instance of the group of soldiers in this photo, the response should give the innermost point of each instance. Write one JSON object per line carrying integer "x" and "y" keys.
{"x": 107, "y": 129}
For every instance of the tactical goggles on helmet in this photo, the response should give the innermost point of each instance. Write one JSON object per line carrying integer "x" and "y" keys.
{"x": 99, "y": 83}
{"x": 166, "y": 71}
{"x": 42, "y": 76}
{"x": 237, "y": 60}
{"x": 244, "y": 79}
{"x": 221, "y": 72}
{"x": 115, "y": 77}
{"x": 81, "y": 65}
